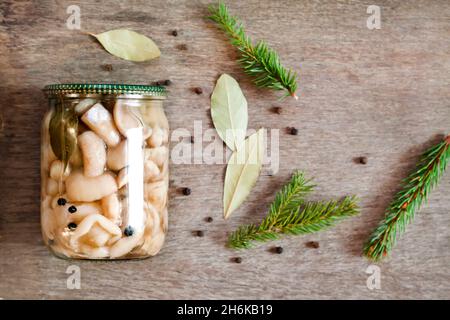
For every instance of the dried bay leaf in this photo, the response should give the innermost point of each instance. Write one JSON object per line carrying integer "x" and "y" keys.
{"x": 128, "y": 45}
{"x": 229, "y": 111}
{"x": 243, "y": 170}
{"x": 63, "y": 129}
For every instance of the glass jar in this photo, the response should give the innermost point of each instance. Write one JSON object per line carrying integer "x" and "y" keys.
{"x": 104, "y": 171}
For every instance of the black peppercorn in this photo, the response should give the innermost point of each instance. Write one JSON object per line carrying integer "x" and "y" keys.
{"x": 192, "y": 139}
{"x": 292, "y": 130}
{"x": 175, "y": 33}
{"x": 278, "y": 250}
{"x": 163, "y": 83}
{"x": 61, "y": 202}
{"x": 72, "y": 226}
{"x": 199, "y": 233}
{"x": 361, "y": 160}
{"x": 277, "y": 110}
{"x": 72, "y": 209}
{"x": 128, "y": 231}
{"x": 209, "y": 219}
{"x": 198, "y": 90}
{"x": 312, "y": 244}
{"x": 236, "y": 259}
{"x": 107, "y": 67}
{"x": 186, "y": 191}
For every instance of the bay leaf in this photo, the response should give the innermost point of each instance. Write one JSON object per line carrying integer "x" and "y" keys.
{"x": 243, "y": 170}
{"x": 128, "y": 45}
{"x": 229, "y": 111}
{"x": 63, "y": 129}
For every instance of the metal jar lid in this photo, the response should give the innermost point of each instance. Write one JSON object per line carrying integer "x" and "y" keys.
{"x": 103, "y": 88}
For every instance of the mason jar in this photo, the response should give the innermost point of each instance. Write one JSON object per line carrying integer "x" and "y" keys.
{"x": 104, "y": 171}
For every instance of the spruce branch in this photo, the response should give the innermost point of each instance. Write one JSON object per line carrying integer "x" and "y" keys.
{"x": 291, "y": 214}
{"x": 259, "y": 61}
{"x": 408, "y": 200}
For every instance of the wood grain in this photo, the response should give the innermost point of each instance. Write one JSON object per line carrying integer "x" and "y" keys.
{"x": 381, "y": 93}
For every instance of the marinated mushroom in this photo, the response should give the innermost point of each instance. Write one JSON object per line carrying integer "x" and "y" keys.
{"x": 117, "y": 157}
{"x": 84, "y": 105}
{"x": 96, "y": 237}
{"x": 111, "y": 208}
{"x": 154, "y": 235}
{"x": 87, "y": 189}
{"x": 157, "y": 155}
{"x": 153, "y": 115}
{"x": 157, "y": 137}
{"x": 94, "y": 153}
{"x": 93, "y": 252}
{"x": 151, "y": 171}
{"x": 156, "y": 194}
{"x": 153, "y": 219}
{"x": 54, "y": 187}
{"x": 153, "y": 245}
{"x": 101, "y": 122}
{"x": 127, "y": 117}
{"x": 87, "y": 223}
{"x": 122, "y": 178}
{"x": 125, "y": 245}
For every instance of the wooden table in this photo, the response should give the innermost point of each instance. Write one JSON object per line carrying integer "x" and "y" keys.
{"x": 383, "y": 94}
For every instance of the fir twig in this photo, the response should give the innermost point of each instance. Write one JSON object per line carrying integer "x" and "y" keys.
{"x": 291, "y": 214}
{"x": 258, "y": 60}
{"x": 414, "y": 192}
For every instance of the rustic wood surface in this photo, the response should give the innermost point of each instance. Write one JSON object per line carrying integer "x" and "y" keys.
{"x": 382, "y": 93}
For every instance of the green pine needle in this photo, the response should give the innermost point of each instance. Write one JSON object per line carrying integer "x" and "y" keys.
{"x": 414, "y": 193}
{"x": 259, "y": 61}
{"x": 291, "y": 214}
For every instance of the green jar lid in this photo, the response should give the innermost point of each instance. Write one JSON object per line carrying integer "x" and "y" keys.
{"x": 103, "y": 88}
